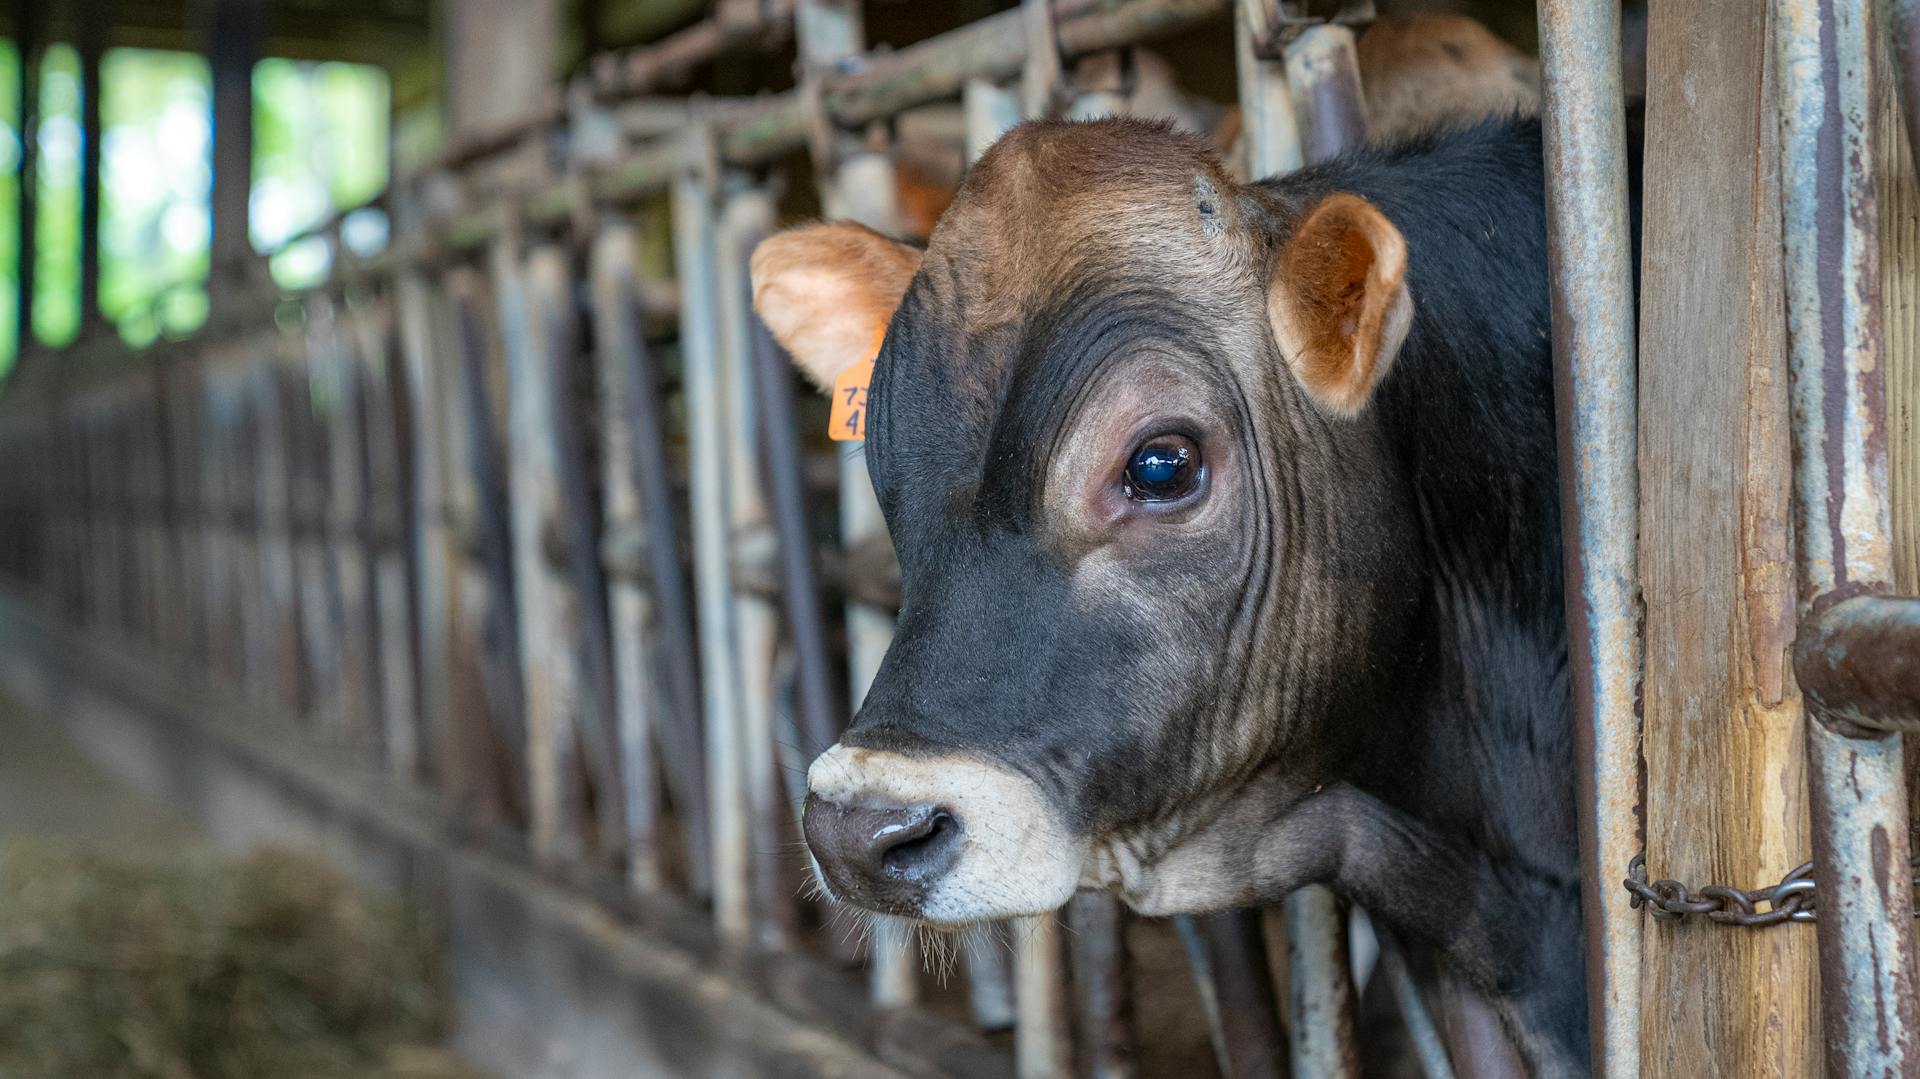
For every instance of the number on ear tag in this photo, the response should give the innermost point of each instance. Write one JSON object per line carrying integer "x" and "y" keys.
{"x": 848, "y": 420}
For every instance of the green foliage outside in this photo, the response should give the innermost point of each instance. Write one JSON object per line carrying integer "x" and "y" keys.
{"x": 320, "y": 144}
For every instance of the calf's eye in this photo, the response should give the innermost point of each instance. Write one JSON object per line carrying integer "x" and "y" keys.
{"x": 1162, "y": 469}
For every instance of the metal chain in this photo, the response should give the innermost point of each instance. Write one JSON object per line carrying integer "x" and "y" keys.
{"x": 1794, "y": 899}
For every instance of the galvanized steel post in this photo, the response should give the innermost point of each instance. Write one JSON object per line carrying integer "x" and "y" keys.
{"x": 695, "y": 251}
{"x": 1861, "y": 844}
{"x": 1590, "y": 250}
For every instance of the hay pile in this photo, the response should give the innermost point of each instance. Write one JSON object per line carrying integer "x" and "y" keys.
{"x": 266, "y": 967}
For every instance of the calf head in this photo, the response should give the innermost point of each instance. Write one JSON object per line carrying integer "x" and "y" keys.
{"x": 1153, "y": 557}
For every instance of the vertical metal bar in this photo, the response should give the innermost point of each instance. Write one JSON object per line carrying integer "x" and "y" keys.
{"x": 579, "y": 590}
{"x": 1421, "y": 1029}
{"x": 546, "y": 669}
{"x": 27, "y": 31}
{"x": 616, "y": 333}
{"x": 235, "y": 31}
{"x": 1270, "y": 132}
{"x": 1584, "y": 127}
{"x": 1861, "y": 843}
{"x": 695, "y": 252}
{"x": 349, "y": 547}
{"x": 91, "y": 37}
{"x": 433, "y": 547}
{"x": 1320, "y": 998}
{"x": 271, "y": 487}
{"x": 1098, "y": 944}
{"x": 491, "y": 592}
{"x": 1324, "y": 75}
{"x": 632, "y": 387}
{"x": 745, "y": 219}
{"x": 383, "y": 430}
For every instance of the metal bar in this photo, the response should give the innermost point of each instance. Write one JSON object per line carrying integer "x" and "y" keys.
{"x": 1098, "y": 944}
{"x": 1861, "y": 843}
{"x": 91, "y": 37}
{"x": 433, "y": 551}
{"x": 1320, "y": 996}
{"x": 494, "y": 592}
{"x": 1042, "y": 1036}
{"x": 695, "y": 253}
{"x": 1589, "y": 255}
{"x": 638, "y": 715}
{"x": 628, "y": 363}
{"x": 580, "y": 594}
{"x": 1323, "y": 73}
{"x": 1858, "y": 662}
{"x": 235, "y": 32}
{"x": 28, "y": 29}
{"x": 546, "y": 670}
{"x": 1271, "y": 134}
{"x": 1421, "y": 1029}
{"x": 746, "y": 218}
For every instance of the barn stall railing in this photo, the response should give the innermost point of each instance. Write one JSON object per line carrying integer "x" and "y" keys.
{"x": 438, "y": 510}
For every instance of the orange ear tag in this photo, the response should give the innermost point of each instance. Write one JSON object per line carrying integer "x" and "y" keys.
{"x": 848, "y": 420}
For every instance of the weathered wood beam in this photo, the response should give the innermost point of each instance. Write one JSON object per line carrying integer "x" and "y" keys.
{"x": 1726, "y": 796}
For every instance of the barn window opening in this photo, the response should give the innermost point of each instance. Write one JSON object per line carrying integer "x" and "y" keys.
{"x": 320, "y": 145}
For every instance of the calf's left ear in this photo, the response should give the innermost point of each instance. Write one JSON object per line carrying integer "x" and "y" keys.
{"x": 828, "y": 291}
{"x": 1338, "y": 301}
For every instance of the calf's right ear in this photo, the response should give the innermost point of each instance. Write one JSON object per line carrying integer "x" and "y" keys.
{"x": 828, "y": 291}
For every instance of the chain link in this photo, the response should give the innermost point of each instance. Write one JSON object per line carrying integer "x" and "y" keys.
{"x": 1794, "y": 899}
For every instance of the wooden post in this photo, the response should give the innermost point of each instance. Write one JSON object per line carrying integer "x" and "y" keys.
{"x": 95, "y": 17}
{"x": 236, "y": 31}
{"x": 1898, "y": 193}
{"x": 27, "y": 30}
{"x": 1725, "y": 760}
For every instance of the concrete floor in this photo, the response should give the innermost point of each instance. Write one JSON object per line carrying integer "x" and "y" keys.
{"x": 50, "y": 789}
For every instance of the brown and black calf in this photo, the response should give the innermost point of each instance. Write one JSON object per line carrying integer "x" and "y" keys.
{"x": 1229, "y": 541}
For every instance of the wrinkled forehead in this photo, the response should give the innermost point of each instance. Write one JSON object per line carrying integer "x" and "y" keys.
{"x": 1055, "y": 207}
{"x": 1069, "y": 244}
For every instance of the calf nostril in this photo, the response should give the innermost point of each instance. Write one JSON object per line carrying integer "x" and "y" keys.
{"x": 921, "y": 848}
{"x": 881, "y": 856}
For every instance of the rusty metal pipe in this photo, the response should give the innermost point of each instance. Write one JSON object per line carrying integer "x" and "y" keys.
{"x": 1858, "y": 662}
{"x": 1323, "y": 73}
{"x": 1860, "y": 837}
{"x": 1590, "y": 260}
